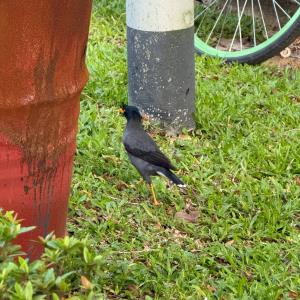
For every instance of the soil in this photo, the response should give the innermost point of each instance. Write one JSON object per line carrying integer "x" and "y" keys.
{"x": 293, "y": 61}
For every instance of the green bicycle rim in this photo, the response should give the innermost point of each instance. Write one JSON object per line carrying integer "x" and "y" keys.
{"x": 204, "y": 48}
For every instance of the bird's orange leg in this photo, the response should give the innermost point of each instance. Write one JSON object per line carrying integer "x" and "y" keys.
{"x": 155, "y": 202}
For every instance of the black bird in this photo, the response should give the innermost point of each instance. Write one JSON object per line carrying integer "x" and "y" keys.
{"x": 143, "y": 153}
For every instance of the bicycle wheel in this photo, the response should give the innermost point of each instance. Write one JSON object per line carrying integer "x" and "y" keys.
{"x": 246, "y": 31}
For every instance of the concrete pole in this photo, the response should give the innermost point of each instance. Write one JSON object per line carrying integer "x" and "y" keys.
{"x": 161, "y": 76}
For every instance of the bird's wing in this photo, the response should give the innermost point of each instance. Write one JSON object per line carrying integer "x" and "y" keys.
{"x": 143, "y": 147}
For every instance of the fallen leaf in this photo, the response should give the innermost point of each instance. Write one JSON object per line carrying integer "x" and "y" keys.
{"x": 248, "y": 275}
{"x": 214, "y": 218}
{"x": 191, "y": 216}
{"x": 211, "y": 288}
{"x": 295, "y": 98}
{"x": 221, "y": 260}
{"x": 286, "y": 53}
{"x": 170, "y": 210}
{"x": 293, "y": 295}
{"x": 189, "y": 205}
{"x": 158, "y": 225}
{"x": 229, "y": 243}
{"x": 199, "y": 244}
{"x": 184, "y": 137}
{"x": 147, "y": 247}
{"x": 85, "y": 192}
{"x": 121, "y": 186}
{"x": 234, "y": 180}
{"x": 215, "y": 77}
{"x": 86, "y": 284}
{"x": 112, "y": 158}
{"x": 177, "y": 235}
{"x": 105, "y": 176}
{"x": 132, "y": 287}
{"x": 297, "y": 180}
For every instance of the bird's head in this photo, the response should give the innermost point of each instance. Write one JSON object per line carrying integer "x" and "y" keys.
{"x": 130, "y": 112}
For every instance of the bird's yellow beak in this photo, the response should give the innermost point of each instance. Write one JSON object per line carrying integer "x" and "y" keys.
{"x": 121, "y": 110}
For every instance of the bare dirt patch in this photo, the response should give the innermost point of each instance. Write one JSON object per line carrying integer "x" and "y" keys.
{"x": 293, "y": 59}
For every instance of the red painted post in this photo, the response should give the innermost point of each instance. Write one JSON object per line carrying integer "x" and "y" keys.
{"x": 42, "y": 59}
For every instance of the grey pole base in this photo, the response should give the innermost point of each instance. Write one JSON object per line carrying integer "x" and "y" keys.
{"x": 161, "y": 75}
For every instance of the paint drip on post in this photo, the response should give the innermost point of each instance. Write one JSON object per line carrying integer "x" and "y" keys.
{"x": 161, "y": 66}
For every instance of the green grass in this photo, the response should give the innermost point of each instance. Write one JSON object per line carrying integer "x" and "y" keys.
{"x": 241, "y": 166}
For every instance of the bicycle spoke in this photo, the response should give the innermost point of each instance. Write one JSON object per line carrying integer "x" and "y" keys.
{"x": 276, "y": 13}
{"x": 202, "y": 12}
{"x": 239, "y": 24}
{"x": 224, "y": 22}
{"x": 263, "y": 19}
{"x": 239, "y": 27}
{"x": 253, "y": 22}
{"x": 217, "y": 21}
{"x": 297, "y": 2}
{"x": 282, "y": 9}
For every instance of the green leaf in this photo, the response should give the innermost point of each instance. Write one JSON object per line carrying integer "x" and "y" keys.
{"x": 28, "y": 291}
{"x": 19, "y": 291}
{"x": 55, "y": 297}
{"x": 23, "y": 264}
{"x": 49, "y": 278}
{"x": 61, "y": 283}
{"x": 98, "y": 259}
{"x": 87, "y": 255}
{"x": 26, "y": 229}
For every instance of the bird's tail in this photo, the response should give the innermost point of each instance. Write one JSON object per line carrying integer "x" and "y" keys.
{"x": 172, "y": 177}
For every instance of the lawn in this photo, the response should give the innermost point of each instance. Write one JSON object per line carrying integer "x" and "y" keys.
{"x": 242, "y": 168}
{"x": 241, "y": 165}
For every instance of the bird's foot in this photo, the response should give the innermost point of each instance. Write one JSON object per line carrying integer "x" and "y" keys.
{"x": 156, "y": 203}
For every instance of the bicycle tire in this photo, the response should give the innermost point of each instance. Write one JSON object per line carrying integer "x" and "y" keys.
{"x": 272, "y": 47}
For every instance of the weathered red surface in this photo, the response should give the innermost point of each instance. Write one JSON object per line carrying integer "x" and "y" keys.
{"x": 42, "y": 54}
